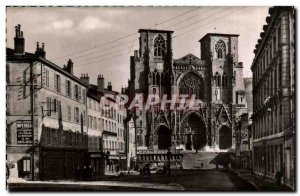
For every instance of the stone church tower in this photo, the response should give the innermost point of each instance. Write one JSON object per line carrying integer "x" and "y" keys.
{"x": 216, "y": 80}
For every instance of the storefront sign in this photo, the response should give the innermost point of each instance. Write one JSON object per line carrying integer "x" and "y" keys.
{"x": 24, "y": 132}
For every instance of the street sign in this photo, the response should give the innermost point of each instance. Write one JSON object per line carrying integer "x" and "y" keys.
{"x": 24, "y": 132}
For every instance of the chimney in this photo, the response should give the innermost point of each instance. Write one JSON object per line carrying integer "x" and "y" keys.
{"x": 123, "y": 90}
{"x": 109, "y": 86}
{"x": 85, "y": 78}
{"x": 70, "y": 66}
{"x": 19, "y": 41}
{"x": 40, "y": 50}
{"x": 100, "y": 83}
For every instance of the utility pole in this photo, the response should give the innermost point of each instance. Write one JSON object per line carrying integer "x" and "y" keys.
{"x": 32, "y": 117}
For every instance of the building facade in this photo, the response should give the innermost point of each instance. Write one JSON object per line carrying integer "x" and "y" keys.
{"x": 131, "y": 145}
{"x": 274, "y": 97}
{"x": 216, "y": 80}
{"x": 46, "y": 115}
{"x": 244, "y": 124}
{"x": 106, "y": 128}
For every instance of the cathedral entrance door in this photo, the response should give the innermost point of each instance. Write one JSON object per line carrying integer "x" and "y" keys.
{"x": 225, "y": 137}
{"x": 164, "y": 137}
{"x": 195, "y": 131}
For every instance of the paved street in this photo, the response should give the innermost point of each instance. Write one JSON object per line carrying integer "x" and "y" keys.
{"x": 89, "y": 186}
{"x": 206, "y": 180}
{"x": 210, "y": 180}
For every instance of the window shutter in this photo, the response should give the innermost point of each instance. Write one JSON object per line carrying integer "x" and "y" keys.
{"x": 47, "y": 77}
{"x": 58, "y": 83}
{"x": 74, "y": 114}
{"x": 79, "y": 93}
{"x": 74, "y": 91}
{"x": 66, "y": 87}
{"x": 84, "y": 95}
{"x": 70, "y": 88}
{"x": 54, "y": 105}
{"x": 48, "y": 103}
{"x": 55, "y": 82}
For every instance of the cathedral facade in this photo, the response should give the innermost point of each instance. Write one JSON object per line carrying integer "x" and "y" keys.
{"x": 215, "y": 79}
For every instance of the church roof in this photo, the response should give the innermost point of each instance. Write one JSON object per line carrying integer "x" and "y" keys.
{"x": 188, "y": 59}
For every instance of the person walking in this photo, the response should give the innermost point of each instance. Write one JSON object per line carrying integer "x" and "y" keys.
{"x": 77, "y": 173}
{"x": 169, "y": 169}
{"x": 84, "y": 173}
{"x": 89, "y": 173}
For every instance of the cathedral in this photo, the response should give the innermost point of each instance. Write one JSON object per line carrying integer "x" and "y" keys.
{"x": 215, "y": 78}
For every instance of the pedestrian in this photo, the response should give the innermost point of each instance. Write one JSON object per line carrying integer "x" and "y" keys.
{"x": 89, "y": 173}
{"x": 84, "y": 173}
{"x": 169, "y": 169}
{"x": 229, "y": 166}
{"x": 145, "y": 171}
{"x": 141, "y": 171}
{"x": 77, "y": 173}
{"x": 164, "y": 169}
{"x": 117, "y": 168}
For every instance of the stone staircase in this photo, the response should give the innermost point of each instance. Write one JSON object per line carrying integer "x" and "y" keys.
{"x": 199, "y": 160}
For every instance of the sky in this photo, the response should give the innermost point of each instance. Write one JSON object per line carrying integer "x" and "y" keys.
{"x": 100, "y": 40}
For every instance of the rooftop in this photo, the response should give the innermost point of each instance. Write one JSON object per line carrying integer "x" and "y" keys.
{"x": 219, "y": 34}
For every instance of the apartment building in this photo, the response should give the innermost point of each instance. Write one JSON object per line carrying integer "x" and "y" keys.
{"x": 46, "y": 115}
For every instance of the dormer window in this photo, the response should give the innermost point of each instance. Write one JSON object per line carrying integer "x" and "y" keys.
{"x": 159, "y": 46}
{"x": 220, "y": 48}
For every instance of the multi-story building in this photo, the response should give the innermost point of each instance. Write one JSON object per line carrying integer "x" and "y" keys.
{"x": 274, "y": 121}
{"x": 217, "y": 82}
{"x": 95, "y": 126}
{"x": 244, "y": 139}
{"x": 46, "y": 115}
{"x": 105, "y": 128}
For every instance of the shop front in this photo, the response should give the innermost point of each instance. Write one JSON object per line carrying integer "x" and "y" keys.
{"x": 61, "y": 163}
{"x": 97, "y": 161}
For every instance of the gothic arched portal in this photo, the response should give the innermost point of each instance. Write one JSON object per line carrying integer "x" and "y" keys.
{"x": 195, "y": 132}
{"x": 164, "y": 137}
{"x": 225, "y": 137}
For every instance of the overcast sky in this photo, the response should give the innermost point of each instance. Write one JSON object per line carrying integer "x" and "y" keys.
{"x": 100, "y": 40}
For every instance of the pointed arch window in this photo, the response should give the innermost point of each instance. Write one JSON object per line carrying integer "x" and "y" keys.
{"x": 218, "y": 79}
{"x": 220, "y": 48}
{"x": 156, "y": 78}
{"x": 159, "y": 46}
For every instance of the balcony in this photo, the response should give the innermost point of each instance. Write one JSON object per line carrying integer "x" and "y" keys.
{"x": 105, "y": 132}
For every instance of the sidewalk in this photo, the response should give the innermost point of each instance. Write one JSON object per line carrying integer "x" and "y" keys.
{"x": 88, "y": 186}
{"x": 259, "y": 182}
